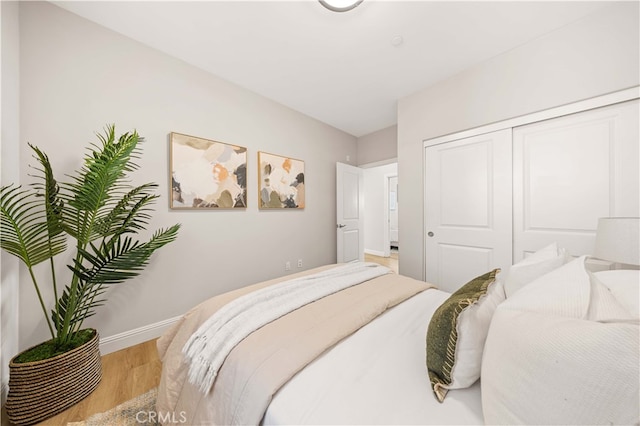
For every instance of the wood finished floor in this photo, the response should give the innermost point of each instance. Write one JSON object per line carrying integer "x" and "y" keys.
{"x": 132, "y": 372}
{"x": 389, "y": 262}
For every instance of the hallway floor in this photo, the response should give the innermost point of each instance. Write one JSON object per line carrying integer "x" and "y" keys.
{"x": 389, "y": 262}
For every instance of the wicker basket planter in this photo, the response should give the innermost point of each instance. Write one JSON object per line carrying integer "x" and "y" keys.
{"x": 41, "y": 389}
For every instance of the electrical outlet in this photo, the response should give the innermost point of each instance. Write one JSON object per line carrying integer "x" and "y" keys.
{"x": 287, "y": 266}
{"x": 299, "y": 263}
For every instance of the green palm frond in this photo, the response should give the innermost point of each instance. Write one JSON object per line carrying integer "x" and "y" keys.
{"x": 108, "y": 264}
{"x": 77, "y": 313}
{"x": 103, "y": 167}
{"x": 24, "y": 227}
{"x": 115, "y": 262}
{"x": 49, "y": 189}
{"x": 111, "y": 263}
{"x": 99, "y": 183}
{"x": 130, "y": 214}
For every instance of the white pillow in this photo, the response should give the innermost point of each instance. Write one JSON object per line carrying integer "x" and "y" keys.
{"x": 562, "y": 351}
{"x": 624, "y": 284}
{"x": 473, "y": 327}
{"x": 457, "y": 332}
{"x": 541, "y": 262}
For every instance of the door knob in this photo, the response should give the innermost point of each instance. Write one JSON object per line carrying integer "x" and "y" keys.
{"x": 430, "y": 234}
{"x": 340, "y": 225}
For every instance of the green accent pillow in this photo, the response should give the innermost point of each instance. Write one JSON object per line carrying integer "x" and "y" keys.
{"x": 443, "y": 334}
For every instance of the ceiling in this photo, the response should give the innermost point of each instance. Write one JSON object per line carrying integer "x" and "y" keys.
{"x": 343, "y": 69}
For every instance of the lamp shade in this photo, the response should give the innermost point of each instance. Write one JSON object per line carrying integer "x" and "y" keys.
{"x": 618, "y": 240}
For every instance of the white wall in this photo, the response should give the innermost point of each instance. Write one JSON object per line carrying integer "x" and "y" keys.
{"x": 378, "y": 146}
{"x": 9, "y": 155}
{"x": 77, "y": 76}
{"x": 593, "y": 56}
{"x": 374, "y": 217}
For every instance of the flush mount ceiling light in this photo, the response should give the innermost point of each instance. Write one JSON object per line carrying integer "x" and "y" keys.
{"x": 340, "y": 5}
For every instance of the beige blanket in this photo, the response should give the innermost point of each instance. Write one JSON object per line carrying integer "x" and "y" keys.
{"x": 269, "y": 357}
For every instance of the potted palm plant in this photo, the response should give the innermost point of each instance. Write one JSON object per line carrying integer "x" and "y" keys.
{"x": 93, "y": 217}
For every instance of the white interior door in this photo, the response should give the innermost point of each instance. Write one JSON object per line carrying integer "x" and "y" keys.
{"x": 349, "y": 213}
{"x": 468, "y": 208}
{"x": 571, "y": 170}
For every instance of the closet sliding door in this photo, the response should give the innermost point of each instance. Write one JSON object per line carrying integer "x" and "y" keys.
{"x": 568, "y": 172}
{"x": 467, "y": 208}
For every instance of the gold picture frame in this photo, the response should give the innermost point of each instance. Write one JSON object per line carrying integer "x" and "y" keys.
{"x": 281, "y": 182}
{"x": 207, "y": 174}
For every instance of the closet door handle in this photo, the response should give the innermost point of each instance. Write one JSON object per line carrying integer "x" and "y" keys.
{"x": 430, "y": 234}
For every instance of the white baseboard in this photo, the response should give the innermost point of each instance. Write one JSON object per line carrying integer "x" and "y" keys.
{"x": 374, "y": 252}
{"x": 137, "y": 335}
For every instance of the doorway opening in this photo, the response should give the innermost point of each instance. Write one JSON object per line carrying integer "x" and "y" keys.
{"x": 381, "y": 230}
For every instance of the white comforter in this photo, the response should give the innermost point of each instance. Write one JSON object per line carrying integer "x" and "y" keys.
{"x": 376, "y": 376}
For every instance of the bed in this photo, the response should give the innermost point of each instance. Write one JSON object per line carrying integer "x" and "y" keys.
{"x": 372, "y": 372}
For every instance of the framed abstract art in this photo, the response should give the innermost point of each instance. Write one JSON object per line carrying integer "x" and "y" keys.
{"x": 281, "y": 182}
{"x": 207, "y": 174}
